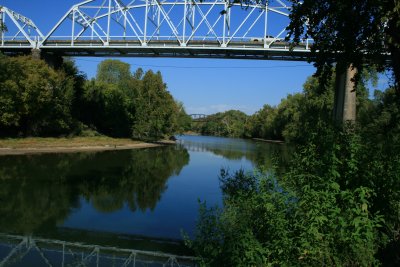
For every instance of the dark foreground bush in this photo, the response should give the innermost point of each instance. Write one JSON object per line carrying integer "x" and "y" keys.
{"x": 337, "y": 206}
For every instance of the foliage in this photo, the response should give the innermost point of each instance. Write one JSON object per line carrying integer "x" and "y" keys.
{"x": 302, "y": 113}
{"x": 381, "y": 132}
{"x": 229, "y": 123}
{"x": 338, "y": 205}
{"x": 136, "y": 105}
{"x": 311, "y": 216}
{"x": 156, "y": 110}
{"x": 79, "y": 78}
{"x": 34, "y": 99}
{"x": 3, "y": 26}
{"x": 337, "y": 38}
{"x": 113, "y": 71}
{"x": 184, "y": 120}
{"x": 106, "y": 109}
{"x": 37, "y": 100}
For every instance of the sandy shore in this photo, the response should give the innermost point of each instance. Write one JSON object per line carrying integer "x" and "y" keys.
{"x": 60, "y": 149}
{"x": 269, "y": 141}
{"x": 22, "y": 146}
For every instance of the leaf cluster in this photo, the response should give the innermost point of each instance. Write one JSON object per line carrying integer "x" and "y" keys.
{"x": 230, "y": 123}
{"x": 36, "y": 100}
{"x": 359, "y": 33}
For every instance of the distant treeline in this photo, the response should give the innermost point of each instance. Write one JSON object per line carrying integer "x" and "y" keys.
{"x": 37, "y": 100}
{"x": 297, "y": 114}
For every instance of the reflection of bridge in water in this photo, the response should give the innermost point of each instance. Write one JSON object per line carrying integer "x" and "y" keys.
{"x": 24, "y": 250}
{"x": 219, "y": 148}
{"x": 196, "y": 147}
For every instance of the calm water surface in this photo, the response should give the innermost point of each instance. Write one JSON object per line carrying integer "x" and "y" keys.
{"x": 145, "y": 193}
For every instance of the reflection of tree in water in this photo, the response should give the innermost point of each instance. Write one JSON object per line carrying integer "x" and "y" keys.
{"x": 139, "y": 182}
{"x": 262, "y": 155}
{"x": 34, "y": 191}
{"x": 39, "y": 191}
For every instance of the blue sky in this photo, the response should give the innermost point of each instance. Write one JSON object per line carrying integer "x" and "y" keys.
{"x": 203, "y": 85}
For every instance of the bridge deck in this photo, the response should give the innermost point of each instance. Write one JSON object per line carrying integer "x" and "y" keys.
{"x": 164, "y": 48}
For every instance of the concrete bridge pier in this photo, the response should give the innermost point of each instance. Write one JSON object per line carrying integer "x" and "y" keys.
{"x": 53, "y": 60}
{"x": 344, "y": 109}
{"x": 36, "y": 53}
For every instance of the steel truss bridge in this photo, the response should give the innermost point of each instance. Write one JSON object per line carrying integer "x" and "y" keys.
{"x": 27, "y": 250}
{"x": 159, "y": 28}
{"x": 198, "y": 117}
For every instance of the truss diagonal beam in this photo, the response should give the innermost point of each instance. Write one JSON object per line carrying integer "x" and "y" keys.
{"x": 22, "y": 23}
{"x": 16, "y": 252}
{"x": 84, "y": 254}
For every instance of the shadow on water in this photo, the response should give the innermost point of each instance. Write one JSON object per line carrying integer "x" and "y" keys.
{"x": 39, "y": 192}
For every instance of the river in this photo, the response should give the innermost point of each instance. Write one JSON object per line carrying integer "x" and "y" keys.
{"x": 142, "y": 198}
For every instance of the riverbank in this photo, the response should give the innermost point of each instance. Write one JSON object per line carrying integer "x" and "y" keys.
{"x": 269, "y": 141}
{"x": 34, "y": 145}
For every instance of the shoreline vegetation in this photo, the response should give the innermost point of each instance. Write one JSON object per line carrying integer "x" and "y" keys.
{"x": 37, "y": 145}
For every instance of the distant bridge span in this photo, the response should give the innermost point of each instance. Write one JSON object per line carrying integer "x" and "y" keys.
{"x": 198, "y": 116}
{"x": 154, "y": 28}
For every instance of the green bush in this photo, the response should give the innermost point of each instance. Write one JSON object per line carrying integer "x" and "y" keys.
{"x": 325, "y": 211}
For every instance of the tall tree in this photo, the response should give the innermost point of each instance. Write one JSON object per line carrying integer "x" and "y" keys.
{"x": 358, "y": 32}
{"x": 35, "y": 100}
{"x": 113, "y": 71}
{"x": 156, "y": 110}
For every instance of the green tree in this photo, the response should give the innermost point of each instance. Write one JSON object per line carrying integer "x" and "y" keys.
{"x": 36, "y": 100}
{"x": 337, "y": 38}
{"x": 304, "y": 218}
{"x": 184, "y": 121}
{"x": 257, "y": 123}
{"x": 107, "y": 109}
{"x": 79, "y": 78}
{"x": 113, "y": 72}
{"x": 230, "y": 123}
{"x": 310, "y": 111}
{"x": 156, "y": 110}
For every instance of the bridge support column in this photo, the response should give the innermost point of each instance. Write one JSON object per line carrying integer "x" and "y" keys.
{"x": 36, "y": 53}
{"x": 344, "y": 109}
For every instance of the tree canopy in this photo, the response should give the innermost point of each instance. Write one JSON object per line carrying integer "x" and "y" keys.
{"x": 229, "y": 123}
{"x": 113, "y": 71}
{"x": 358, "y": 32}
{"x": 36, "y": 100}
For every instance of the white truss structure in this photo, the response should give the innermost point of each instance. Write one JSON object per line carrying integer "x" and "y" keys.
{"x": 18, "y": 31}
{"x": 61, "y": 253}
{"x": 174, "y": 28}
